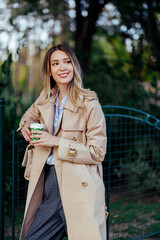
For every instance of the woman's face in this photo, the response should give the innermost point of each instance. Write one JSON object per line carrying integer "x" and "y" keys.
{"x": 61, "y": 68}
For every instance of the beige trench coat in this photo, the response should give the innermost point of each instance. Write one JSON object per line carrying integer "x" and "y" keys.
{"x": 78, "y": 167}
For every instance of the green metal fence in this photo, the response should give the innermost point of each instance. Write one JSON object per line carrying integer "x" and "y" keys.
{"x": 131, "y": 175}
{"x": 1, "y": 168}
{"x": 19, "y": 184}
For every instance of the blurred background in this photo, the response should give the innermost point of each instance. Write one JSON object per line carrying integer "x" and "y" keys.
{"x": 117, "y": 43}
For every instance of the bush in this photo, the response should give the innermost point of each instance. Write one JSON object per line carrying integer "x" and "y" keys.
{"x": 140, "y": 166}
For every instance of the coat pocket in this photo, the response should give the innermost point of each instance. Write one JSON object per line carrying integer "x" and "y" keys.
{"x": 95, "y": 172}
{"x": 76, "y": 133}
{"x": 27, "y": 161}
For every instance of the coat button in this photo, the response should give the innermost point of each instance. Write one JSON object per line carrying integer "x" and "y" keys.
{"x": 84, "y": 184}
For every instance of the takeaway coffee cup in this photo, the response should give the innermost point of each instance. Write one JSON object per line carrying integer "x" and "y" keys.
{"x": 36, "y": 126}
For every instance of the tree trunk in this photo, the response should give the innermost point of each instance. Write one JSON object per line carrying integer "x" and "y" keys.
{"x": 85, "y": 29}
{"x": 153, "y": 33}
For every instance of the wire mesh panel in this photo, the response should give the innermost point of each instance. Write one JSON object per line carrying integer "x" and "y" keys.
{"x": 19, "y": 184}
{"x": 132, "y": 175}
{"x": 7, "y": 199}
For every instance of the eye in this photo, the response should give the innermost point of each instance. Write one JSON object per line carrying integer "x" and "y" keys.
{"x": 54, "y": 64}
{"x": 69, "y": 61}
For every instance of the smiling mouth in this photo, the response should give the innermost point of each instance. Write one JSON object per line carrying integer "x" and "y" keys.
{"x": 63, "y": 75}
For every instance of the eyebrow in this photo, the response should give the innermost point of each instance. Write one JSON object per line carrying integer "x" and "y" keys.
{"x": 56, "y": 60}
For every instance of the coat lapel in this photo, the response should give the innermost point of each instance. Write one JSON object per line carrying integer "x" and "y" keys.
{"x": 69, "y": 106}
{"x": 47, "y": 112}
{"x": 59, "y": 124}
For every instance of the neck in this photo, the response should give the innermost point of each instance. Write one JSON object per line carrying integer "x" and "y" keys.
{"x": 63, "y": 90}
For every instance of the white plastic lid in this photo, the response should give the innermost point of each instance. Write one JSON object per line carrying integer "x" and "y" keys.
{"x": 37, "y": 125}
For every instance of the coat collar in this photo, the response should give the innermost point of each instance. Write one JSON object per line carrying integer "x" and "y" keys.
{"x": 68, "y": 104}
{"x": 47, "y": 110}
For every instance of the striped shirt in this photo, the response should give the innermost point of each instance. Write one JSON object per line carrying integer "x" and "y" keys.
{"x": 57, "y": 117}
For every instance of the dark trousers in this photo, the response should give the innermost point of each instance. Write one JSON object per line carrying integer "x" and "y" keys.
{"x": 49, "y": 222}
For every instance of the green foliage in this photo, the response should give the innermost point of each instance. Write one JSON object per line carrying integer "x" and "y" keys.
{"x": 134, "y": 217}
{"x": 10, "y": 116}
{"x": 114, "y": 73}
{"x": 109, "y": 75}
{"x": 7, "y": 92}
{"x": 140, "y": 166}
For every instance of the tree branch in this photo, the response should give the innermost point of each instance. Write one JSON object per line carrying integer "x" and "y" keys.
{"x": 86, "y": 27}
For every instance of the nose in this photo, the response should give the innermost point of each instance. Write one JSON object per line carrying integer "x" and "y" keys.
{"x": 62, "y": 66}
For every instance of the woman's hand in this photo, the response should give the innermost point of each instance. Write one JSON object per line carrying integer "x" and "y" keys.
{"x": 45, "y": 139}
{"x": 26, "y": 132}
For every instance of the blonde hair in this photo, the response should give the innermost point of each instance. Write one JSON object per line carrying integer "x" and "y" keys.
{"x": 76, "y": 91}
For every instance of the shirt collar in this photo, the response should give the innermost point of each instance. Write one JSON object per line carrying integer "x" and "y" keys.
{"x": 63, "y": 101}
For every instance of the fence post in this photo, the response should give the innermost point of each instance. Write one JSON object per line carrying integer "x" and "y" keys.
{"x": 1, "y": 169}
{"x": 108, "y": 172}
{"x": 13, "y": 187}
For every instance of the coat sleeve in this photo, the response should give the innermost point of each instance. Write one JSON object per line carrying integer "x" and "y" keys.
{"x": 32, "y": 114}
{"x": 94, "y": 150}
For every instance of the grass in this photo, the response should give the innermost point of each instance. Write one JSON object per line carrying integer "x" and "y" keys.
{"x": 155, "y": 228}
{"x": 128, "y": 220}
{"x": 156, "y": 216}
{"x": 134, "y": 219}
{"x": 131, "y": 230}
{"x": 122, "y": 238}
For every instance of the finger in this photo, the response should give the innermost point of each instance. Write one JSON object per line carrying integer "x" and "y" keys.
{"x": 37, "y": 131}
{"x": 28, "y": 131}
{"x": 38, "y": 138}
{"x": 25, "y": 131}
{"x": 37, "y": 142}
{"x": 35, "y": 136}
{"x": 26, "y": 136}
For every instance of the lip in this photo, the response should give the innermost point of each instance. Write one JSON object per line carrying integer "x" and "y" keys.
{"x": 63, "y": 75}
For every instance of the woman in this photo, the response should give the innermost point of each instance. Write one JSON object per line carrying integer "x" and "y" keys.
{"x": 66, "y": 191}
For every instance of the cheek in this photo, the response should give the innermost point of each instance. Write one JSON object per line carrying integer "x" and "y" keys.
{"x": 71, "y": 71}
{"x": 53, "y": 72}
